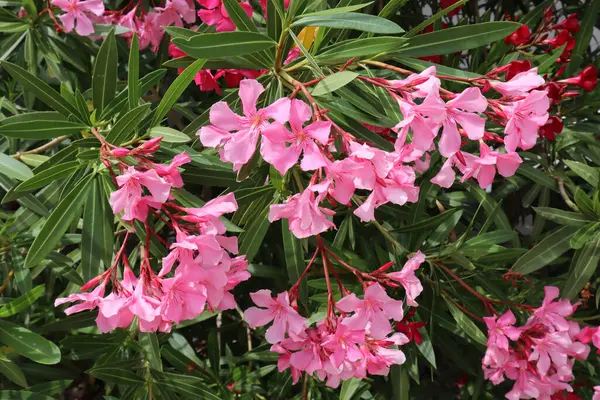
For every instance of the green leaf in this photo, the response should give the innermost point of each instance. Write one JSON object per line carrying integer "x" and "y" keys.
{"x": 104, "y": 77}
{"x": 187, "y": 385}
{"x": 149, "y": 341}
{"x": 254, "y": 234}
{"x": 175, "y": 90}
{"x": 29, "y": 344}
{"x": 417, "y": 29}
{"x": 421, "y": 65}
{"x": 22, "y": 395}
{"x": 41, "y": 90}
{"x": 169, "y": 135}
{"x": 466, "y": 324}
{"x": 538, "y": 176}
{"x": 49, "y": 175}
{"x": 562, "y": 217}
{"x": 134, "y": 73}
{"x": 239, "y": 16}
{"x": 28, "y": 201}
{"x": 589, "y": 174}
{"x": 22, "y": 302}
{"x": 125, "y": 128}
{"x": 214, "y": 352}
{"x": 224, "y": 44}
{"x": 584, "y": 37}
{"x": 116, "y": 374}
{"x": 333, "y": 11}
{"x": 546, "y": 251}
{"x": 13, "y": 168}
{"x": 97, "y": 237}
{"x": 349, "y": 388}
{"x": 58, "y": 222}
{"x": 12, "y": 371}
{"x": 350, "y": 20}
{"x": 584, "y": 234}
{"x": 333, "y": 82}
{"x": 39, "y": 125}
{"x": 294, "y": 260}
{"x": 459, "y": 38}
{"x": 348, "y": 49}
{"x": 583, "y": 267}
{"x": 429, "y": 223}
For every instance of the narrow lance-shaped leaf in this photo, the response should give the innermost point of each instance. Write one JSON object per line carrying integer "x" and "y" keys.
{"x": 175, "y": 90}
{"x": 58, "y": 222}
{"x": 39, "y": 125}
{"x": 22, "y": 302}
{"x": 13, "y": 168}
{"x": 584, "y": 266}
{"x": 546, "y": 251}
{"x": 350, "y": 20}
{"x": 104, "y": 77}
{"x": 134, "y": 72}
{"x": 41, "y": 89}
{"x": 97, "y": 234}
{"x": 224, "y": 44}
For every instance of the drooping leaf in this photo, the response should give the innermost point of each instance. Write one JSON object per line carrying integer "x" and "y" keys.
{"x": 333, "y": 82}
{"x": 13, "y": 168}
{"x": 49, "y": 175}
{"x": 583, "y": 267}
{"x": 224, "y": 44}
{"x": 22, "y": 302}
{"x": 28, "y": 344}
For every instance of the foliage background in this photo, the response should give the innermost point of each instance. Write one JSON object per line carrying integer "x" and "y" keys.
{"x": 523, "y": 224}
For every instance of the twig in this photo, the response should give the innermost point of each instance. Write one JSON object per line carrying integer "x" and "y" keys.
{"x": 51, "y": 144}
{"x": 6, "y": 280}
{"x": 565, "y": 196}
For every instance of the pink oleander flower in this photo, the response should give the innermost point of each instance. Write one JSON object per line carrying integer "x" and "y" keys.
{"x": 525, "y": 117}
{"x": 303, "y": 140}
{"x": 208, "y": 216}
{"x": 373, "y": 312}
{"x": 424, "y": 120}
{"x": 501, "y": 329}
{"x": 150, "y": 31}
{"x": 182, "y": 297}
{"x": 520, "y": 84}
{"x": 170, "y": 173}
{"x": 129, "y": 198}
{"x": 461, "y": 111}
{"x": 417, "y": 85}
{"x": 284, "y": 317}
{"x": 552, "y": 312}
{"x": 344, "y": 344}
{"x": 305, "y": 216}
{"x": 238, "y": 135}
{"x": 344, "y": 177}
{"x": 77, "y": 14}
{"x": 596, "y": 393}
{"x": 176, "y": 10}
{"x": 398, "y": 188}
{"x": 408, "y": 279}
{"x": 89, "y": 301}
{"x": 483, "y": 168}
{"x": 216, "y": 14}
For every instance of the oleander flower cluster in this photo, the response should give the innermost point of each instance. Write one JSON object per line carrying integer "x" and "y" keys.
{"x": 355, "y": 338}
{"x": 290, "y": 132}
{"x": 198, "y": 273}
{"x": 538, "y": 356}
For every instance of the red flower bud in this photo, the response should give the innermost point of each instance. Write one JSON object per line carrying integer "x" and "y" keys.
{"x": 587, "y": 79}
{"x": 571, "y": 24}
{"x": 518, "y": 37}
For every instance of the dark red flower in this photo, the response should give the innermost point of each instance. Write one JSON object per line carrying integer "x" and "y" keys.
{"x": 565, "y": 396}
{"x": 555, "y": 91}
{"x": 516, "y": 67}
{"x": 564, "y": 37}
{"x": 410, "y": 328}
{"x": 587, "y": 79}
{"x": 553, "y": 127}
{"x": 518, "y": 37}
{"x": 571, "y": 24}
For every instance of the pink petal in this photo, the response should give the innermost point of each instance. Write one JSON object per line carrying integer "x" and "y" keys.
{"x": 300, "y": 112}
{"x": 319, "y": 131}
{"x": 249, "y": 92}
{"x": 262, "y": 298}
{"x": 450, "y": 141}
{"x": 279, "y": 110}
{"x": 276, "y": 333}
{"x": 349, "y": 303}
{"x": 470, "y": 100}
{"x": 84, "y": 25}
{"x": 312, "y": 158}
{"x": 257, "y": 317}
{"x": 222, "y": 117}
